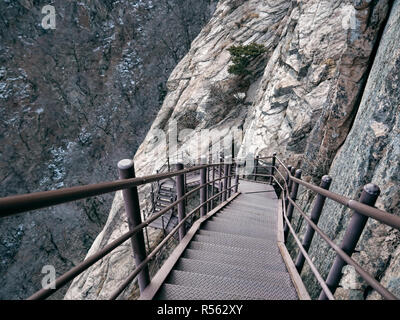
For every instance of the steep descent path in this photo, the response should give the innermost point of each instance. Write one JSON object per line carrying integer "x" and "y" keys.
{"x": 234, "y": 254}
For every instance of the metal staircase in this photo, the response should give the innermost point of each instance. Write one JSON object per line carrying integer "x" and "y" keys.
{"x": 163, "y": 197}
{"x": 165, "y": 194}
{"x": 234, "y": 254}
{"x": 232, "y": 245}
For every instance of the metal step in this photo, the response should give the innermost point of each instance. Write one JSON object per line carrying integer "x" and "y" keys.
{"x": 249, "y": 218}
{"x": 244, "y": 287}
{"x": 165, "y": 193}
{"x": 174, "y": 292}
{"x": 230, "y": 271}
{"x": 237, "y": 261}
{"x": 234, "y": 251}
{"x": 240, "y": 220}
{"x": 251, "y": 230}
{"x": 164, "y": 201}
{"x": 249, "y": 208}
{"x": 236, "y": 241}
{"x": 247, "y": 211}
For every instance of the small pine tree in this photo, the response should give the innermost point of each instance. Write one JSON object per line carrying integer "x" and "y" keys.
{"x": 242, "y": 56}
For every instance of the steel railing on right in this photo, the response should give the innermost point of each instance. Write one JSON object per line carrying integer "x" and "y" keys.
{"x": 288, "y": 183}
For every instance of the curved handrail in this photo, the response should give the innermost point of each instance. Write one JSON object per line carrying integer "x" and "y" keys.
{"x": 372, "y": 212}
{"x": 361, "y": 208}
{"x": 21, "y": 203}
{"x": 18, "y": 204}
{"x": 88, "y": 262}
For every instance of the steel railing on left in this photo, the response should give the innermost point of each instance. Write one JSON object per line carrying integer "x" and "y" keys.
{"x": 128, "y": 183}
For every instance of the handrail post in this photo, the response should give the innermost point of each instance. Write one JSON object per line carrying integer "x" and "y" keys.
{"x": 126, "y": 170}
{"x": 315, "y": 214}
{"x": 180, "y": 192}
{"x": 289, "y": 184}
{"x": 212, "y": 188}
{"x": 352, "y": 235}
{"x": 237, "y": 178}
{"x": 229, "y": 180}
{"x": 273, "y": 168}
{"x": 221, "y": 185}
{"x": 293, "y": 196}
{"x": 256, "y": 168}
{"x": 203, "y": 191}
{"x": 225, "y": 186}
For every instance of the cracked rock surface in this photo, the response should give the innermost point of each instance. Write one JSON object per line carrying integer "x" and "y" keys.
{"x": 318, "y": 97}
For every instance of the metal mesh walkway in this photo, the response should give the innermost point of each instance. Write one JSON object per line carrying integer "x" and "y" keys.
{"x": 234, "y": 255}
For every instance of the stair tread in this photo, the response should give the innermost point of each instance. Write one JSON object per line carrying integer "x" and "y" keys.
{"x": 232, "y": 271}
{"x": 227, "y": 259}
{"x": 249, "y": 231}
{"x": 242, "y": 222}
{"x": 246, "y": 287}
{"x": 250, "y": 239}
{"x": 175, "y": 292}
{"x": 231, "y": 249}
{"x": 240, "y": 242}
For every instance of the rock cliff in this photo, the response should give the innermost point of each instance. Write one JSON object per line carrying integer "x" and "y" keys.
{"x": 324, "y": 95}
{"x": 371, "y": 153}
{"x": 74, "y": 100}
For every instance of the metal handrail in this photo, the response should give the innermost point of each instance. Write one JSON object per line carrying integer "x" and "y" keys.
{"x": 367, "y": 277}
{"x": 140, "y": 267}
{"x": 361, "y": 208}
{"x": 22, "y": 203}
{"x": 18, "y": 204}
{"x": 84, "y": 265}
{"x": 372, "y": 212}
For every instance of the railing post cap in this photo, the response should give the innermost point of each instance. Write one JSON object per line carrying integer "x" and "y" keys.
{"x": 372, "y": 189}
{"x": 179, "y": 166}
{"x": 125, "y": 164}
{"x": 274, "y": 154}
{"x": 326, "y": 179}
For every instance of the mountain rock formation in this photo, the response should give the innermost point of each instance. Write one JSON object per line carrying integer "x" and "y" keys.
{"x": 324, "y": 96}
{"x": 73, "y": 102}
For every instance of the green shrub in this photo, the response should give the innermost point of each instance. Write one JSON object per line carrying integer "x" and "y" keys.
{"x": 242, "y": 56}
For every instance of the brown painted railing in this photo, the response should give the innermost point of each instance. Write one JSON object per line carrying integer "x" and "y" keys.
{"x": 128, "y": 183}
{"x": 287, "y": 183}
{"x": 363, "y": 209}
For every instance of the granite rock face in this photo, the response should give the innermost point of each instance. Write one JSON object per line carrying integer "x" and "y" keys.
{"x": 307, "y": 97}
{"x": 193, "y": 102}
{"x": 73, "y": 102}
{"x": 306, "y": 93}
{"x": 371, "y": 153}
